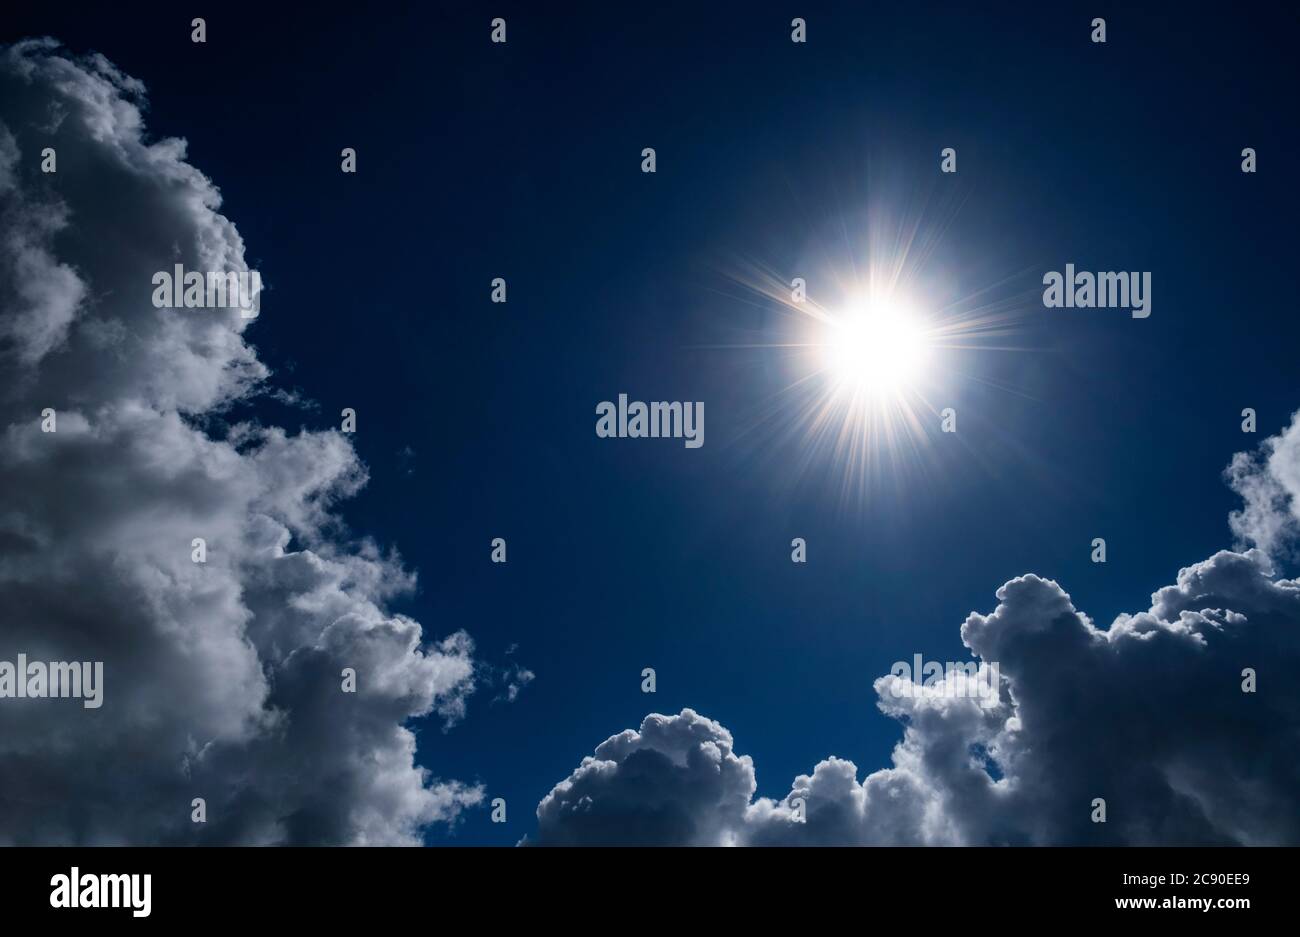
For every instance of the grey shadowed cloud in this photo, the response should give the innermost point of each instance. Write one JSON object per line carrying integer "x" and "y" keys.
{"x": 221, "y": 680}
{"x": 1148, "y": 714}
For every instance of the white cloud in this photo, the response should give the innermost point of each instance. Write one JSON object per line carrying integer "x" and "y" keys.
{"x": 675, "y": 781}
{"x": 222, "y": 680}
{"x": 1268, "y": 482}
{"x": 1148, "y": 714}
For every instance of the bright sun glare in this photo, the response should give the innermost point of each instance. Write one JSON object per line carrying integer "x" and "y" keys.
{"x": 871, "y": 373}
{"x": 877, "y": 348}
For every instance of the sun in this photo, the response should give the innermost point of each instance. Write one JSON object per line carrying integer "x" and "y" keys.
{"x": 873, "y": 340}
{"x": 876, "y": 347}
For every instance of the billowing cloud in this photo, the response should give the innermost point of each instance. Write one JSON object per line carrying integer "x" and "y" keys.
{"x": 1148, "y": 715}
{"x": 222, "y": 680}
{"x": 675, "y": 781}
{"x": 1269, "y": 484}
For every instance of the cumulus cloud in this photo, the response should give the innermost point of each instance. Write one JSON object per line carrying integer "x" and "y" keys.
{"x": 1268, "y": 482}
{"x": 676, "y": 781}
{"x": 1148, "y": 715}
{"x": 222, "y": 680}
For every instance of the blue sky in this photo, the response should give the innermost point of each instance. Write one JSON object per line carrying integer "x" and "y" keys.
{"x": 522, "y": 161}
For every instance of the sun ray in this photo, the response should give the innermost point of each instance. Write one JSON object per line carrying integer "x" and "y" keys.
{"x": 873, "y": 357}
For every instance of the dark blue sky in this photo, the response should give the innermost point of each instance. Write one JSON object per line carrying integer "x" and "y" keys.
{"x": 522, "y": 161}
